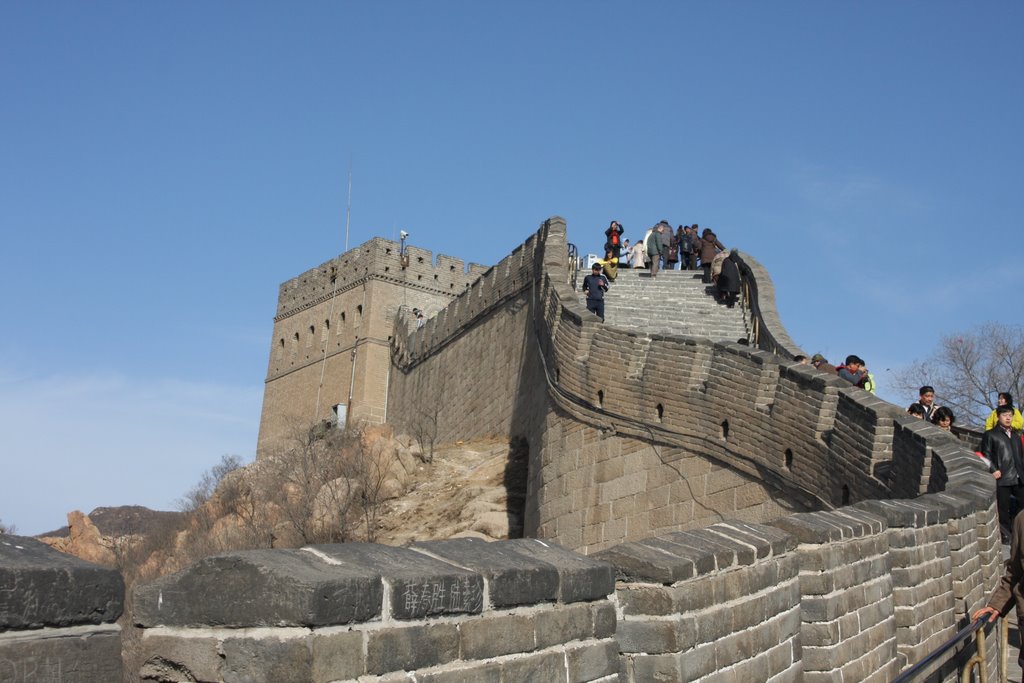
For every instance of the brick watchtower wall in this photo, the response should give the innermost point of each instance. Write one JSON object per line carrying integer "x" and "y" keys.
{"x": 332, "y": 331}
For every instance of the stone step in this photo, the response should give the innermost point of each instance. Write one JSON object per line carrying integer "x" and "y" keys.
{"x": 674, "y": 302}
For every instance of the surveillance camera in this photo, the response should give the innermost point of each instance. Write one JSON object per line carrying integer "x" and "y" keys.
{"x": 403, "y": 234}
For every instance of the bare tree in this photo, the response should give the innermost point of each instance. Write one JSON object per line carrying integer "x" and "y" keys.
{"x": 424, "y": 423}
{"x": 968, "y": 370}
{"x": 208, "y": 483}
{"x": 7, "y": 528}
{"x": 370, "y": 466}
{"x": 315, "y": 495}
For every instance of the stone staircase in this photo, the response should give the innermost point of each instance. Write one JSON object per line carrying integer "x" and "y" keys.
{"x": 675, "y": 302}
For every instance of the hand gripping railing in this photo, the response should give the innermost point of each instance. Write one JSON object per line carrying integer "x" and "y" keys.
{"x": 976, "y": 661}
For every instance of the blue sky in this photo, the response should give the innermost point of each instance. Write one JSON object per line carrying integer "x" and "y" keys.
{"x": 164, "y": 166}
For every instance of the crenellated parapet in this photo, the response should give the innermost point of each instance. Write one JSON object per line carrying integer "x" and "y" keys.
{"x": 376, "y": 259}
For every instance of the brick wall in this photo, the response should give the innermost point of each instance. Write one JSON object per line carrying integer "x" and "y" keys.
{"x": 454, "y": 610}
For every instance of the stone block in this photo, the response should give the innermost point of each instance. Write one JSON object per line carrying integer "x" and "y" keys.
{"x": 496, "y": 635}
{"x": 168, "y": 656}
{"x": 545, "y": 667}
{"x": 337, "y": 655}
{"x": 562, "y": 624}
{"x": 656, "y": 636}
{"x": 260, "y": 588}
{"x": 580, "y": 577}
{"x": 75, "y": 654}
{"x": 642, "y": 668}
{"x": 605, "y": 620}
{"x": 592, "y": 661}
{"x": 513, "y": 578}
{"x": 266, "y": 660}
{"x": 638, "y": 562}
{"x": 40, "y": 586}
{"x": 417, "y": 585}
{"x": 411, "y": 647}
{"x": 472, "y": 672}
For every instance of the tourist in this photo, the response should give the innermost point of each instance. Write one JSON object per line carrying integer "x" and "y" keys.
{"x": 610, "y": 265}
{"x": 1009, "y": 589}
{"x": 639, "y": 253}
{"x": 671, "y": 246}
{"x": 802, "y": 359}
{"x": 728, "y": 282}
{"x": 821, "y": 363}
{"x": 943, "y": 417}
{"x": 1003, "y": 447}
{"x": 707, "y": 246}
{"x": 613, "y": 239}
{"x": 656, "y": 247}
{"x": 927, "y": 400}
{"x": 853, "y": 371}
{"x": 1005, "y": 399}
{"x": 595, "y": 285}
{"x": 915, "y": 410}
{"x": 626, "y": 258}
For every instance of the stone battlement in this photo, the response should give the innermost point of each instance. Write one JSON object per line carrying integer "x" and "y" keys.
{"x": 376, "y": 258}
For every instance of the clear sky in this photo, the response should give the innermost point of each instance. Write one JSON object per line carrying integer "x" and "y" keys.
{"x": 165, "y": 166}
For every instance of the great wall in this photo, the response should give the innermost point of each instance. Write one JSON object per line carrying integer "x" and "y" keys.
{"x": 696, "y": 509}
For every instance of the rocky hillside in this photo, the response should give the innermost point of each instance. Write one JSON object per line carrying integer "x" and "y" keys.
{"x": 371, "y": 486}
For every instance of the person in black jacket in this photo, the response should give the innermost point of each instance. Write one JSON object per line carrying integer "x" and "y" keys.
{"x": 614, "y": 239}
{"x": 595, "y": 285}
{"x": 1003, "y": 447}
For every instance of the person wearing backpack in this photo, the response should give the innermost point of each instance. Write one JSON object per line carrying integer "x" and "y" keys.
{"x": 686, "y": 258}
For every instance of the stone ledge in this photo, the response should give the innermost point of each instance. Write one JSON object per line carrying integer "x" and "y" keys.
{"x": 512, "y": 577}
{"x": 40, "y": 586}
{"x": 830, "y": 526}
{"x": 682, "y": 555}
{"x": 417, "y": 585}
{"x": 260, "y": 588}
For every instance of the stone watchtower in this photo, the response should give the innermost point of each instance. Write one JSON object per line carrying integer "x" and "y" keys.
{"x": 330, "y": 350}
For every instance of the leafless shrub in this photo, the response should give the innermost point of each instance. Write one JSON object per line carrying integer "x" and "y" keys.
{"x": 7, "y": 528}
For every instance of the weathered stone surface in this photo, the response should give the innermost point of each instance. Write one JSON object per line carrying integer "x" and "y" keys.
{"x": 76, "y": 654}
{"x": 337, "y": 655}
{"x": 546, "y": 667}
{"x": 473, "y": 672}
{"x": 266, "y": 660}
{"x": 513, "y": 578}
{"x": 579, "y": 577}
{"x": 260, "y": 588}
{"x": 418, "y": 585}
{"x": 592, "y": 661}
{"x": 639, "y": 562}
{"x": 411, "y": 647}
{"x": 169, "y": 657}
{"x": 40, "y": 586}
{"x": 498, "y": 635}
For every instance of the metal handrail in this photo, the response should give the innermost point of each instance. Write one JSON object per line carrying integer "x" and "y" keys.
{"x": 978, "y": 659}
{"x": 574, "y": 265}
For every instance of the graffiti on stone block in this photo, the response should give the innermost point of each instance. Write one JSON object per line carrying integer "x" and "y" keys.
{"x": 31, "y": 670}
{"x": 439, "y": 596}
